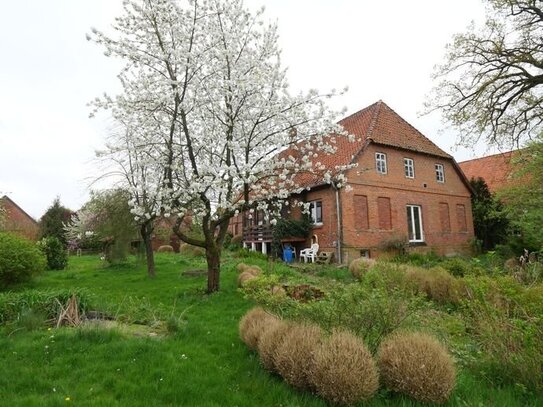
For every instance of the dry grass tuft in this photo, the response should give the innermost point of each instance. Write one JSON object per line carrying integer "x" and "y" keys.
{"x": 244, "y": 277}
{"x": 190, "y": 250}
{"x": 253, "y": 324}
{"x": 417, "y": 365}
{"x": 242, "y": 267}
{"x": 360, "y": 266}
{"x": 165, "y": 249}
{"x": 254, "y": 270}
{"x": 436, "y": 283}
{"x": 344, "y": 371}
{"x": 269, "y": 342}
{"x": 278, "y": 291}
{"x": 294, "y": 354}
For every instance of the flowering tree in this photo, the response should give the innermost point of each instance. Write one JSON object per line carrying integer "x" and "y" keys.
{"x": 142, "y": 180}
{"x": 207, "y": 107}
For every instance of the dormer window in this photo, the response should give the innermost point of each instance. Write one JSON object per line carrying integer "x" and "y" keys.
{"x": 409, "y": 167}
{"x": 381, "y": 163}
{"x": 440, "y": 173}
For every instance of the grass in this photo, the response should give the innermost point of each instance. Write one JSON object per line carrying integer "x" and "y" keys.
{"x": 197, "y": 360}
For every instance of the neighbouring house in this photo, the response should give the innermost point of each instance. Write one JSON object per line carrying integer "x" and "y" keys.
{"x": 497, "y": 170}
{"x": 404, "y": 188}
{"x": 17, "y": 221}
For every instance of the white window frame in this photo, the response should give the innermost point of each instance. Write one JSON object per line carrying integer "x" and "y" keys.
{"x": 440, "y": 172}
{"x": 313, "y": 212}
{"x": 411, "y": 212}
{"x": 409, "y": 167}
{"x": 381, "y": 163}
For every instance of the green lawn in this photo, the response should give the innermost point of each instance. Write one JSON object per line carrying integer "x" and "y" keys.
{"x": 199, "y": 361}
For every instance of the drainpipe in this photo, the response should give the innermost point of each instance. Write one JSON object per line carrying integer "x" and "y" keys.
{"x": 339, "y": 225}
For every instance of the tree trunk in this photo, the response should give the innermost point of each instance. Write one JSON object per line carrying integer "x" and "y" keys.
{"x": 213, "y": 256}
{"x": 146, "y": 231}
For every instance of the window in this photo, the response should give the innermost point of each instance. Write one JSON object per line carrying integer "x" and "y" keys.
{"x": 414, "y": 223}
{"x": 315, "y": 210}
{"x": 381, "y": 163}
{"x": 383, "y": 210}
{"x": 440, "y": 173}
{"x": 409, "y": 166}
{"x": 361, "y": 219}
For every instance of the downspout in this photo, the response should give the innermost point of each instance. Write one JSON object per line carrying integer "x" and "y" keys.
{"x": 339, "y": 226}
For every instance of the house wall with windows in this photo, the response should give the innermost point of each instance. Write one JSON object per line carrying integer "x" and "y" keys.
{"x": 404, "y": 187}
{"x": 376, "y": 210}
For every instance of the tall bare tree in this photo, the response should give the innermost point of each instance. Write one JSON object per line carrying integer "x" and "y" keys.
{"x": 489, "y": 86}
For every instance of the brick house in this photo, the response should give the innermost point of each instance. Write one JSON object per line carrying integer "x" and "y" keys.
{"x": 17, "y": 221}
{"x": 404, "y": 187}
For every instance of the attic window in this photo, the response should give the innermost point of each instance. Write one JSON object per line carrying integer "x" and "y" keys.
{"x": 409, "y": 166}
{"x": 381, "y": 163}
{"x": 440, "y": 173}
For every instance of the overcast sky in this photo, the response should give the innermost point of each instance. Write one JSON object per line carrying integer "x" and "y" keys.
{"x": 49, "y": 72}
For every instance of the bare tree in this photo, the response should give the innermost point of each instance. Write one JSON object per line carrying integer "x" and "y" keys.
{"x": 489, "y": 86}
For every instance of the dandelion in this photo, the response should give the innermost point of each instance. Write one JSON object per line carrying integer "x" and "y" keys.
{"x": 67, "y": 398}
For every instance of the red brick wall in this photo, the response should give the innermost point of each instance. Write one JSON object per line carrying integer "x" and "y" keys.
{"x": 423, "y": 190}
{"x": 18, "y": 222}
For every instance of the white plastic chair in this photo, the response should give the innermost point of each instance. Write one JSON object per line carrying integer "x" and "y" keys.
{"x": 310, "y": 253}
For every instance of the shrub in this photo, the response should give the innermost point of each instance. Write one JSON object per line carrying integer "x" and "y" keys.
{"x": 456, "y": 266}
{"x": 269, "y": 342}
{"x": 294, "y": 356}
{"x": 417, "y": 365}
{"x": 190, "y": 250}
{"x": 253, "y": 324}
{"x": 244, "y": 277}
{"x": 20, "y": 260}
{"x": 360, "y": 266}
{"x": 165, "y": 249}
{"x": 343, "y": 371}
{"x": 55, "y": 253}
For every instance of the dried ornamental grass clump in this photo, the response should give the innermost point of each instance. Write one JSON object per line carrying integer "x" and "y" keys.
{"x": 269, "y": 342}
{"x": 165, "y": 249}
{"x": 360, "y": 266}
{"x": 294, "y": 355}
{"x": 244, "y": 277}
{"x": 246, "y": 268}
{"x": 417, "y": 365}
{"x": 253, "y": 324}
{"x": 278, "y": 291}
{"x": 343, "y": 371}
{"x": 436, "y": 283}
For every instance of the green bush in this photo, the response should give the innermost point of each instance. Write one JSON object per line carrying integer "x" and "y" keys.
{"x": 456, "y": 266}
{"x": 55, "y": 252}
{"x": 20, "y": 260}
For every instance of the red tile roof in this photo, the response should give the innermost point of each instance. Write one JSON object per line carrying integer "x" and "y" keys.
{"x": 379, "y": 124}
{"x": 496, "y": 170}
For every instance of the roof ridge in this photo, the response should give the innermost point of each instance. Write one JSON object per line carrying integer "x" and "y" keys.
{"x": 491, "y": 155}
